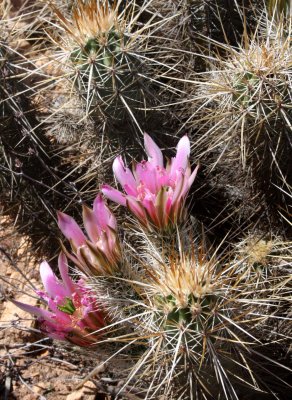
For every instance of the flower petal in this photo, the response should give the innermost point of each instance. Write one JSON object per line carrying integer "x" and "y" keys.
{"x": 147, "y": 175}
{"x": 137, "y": 209}
{"x": 70, "y": 229}
{"x": 179, "y": 187}
{"x": 104, "y": 216}
{"x": 180, "y": 161}
{"x": 63, "y": 268}
{"x": 124, "y": 175}
{"x": 91, "y": 224}
{"x": 51, "y": 284}
{"x": 163, "y": 205}
{"x": 152, "y": 212}
{"x": 39, "y": 312}
{"x": 193, "y": 176}
{"x": 114, "y": 195}
{"x": 154, "y": 153}
{"x": 188, "y": 180}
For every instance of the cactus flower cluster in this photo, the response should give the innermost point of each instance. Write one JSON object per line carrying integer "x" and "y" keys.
{"x": 73, "y": 313}
{"x": 100, "y": 254}
{"x": 155, "y": 194}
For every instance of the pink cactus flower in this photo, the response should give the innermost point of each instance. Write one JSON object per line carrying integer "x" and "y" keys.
{"x": 73, "y": 313}
{"x": 100, "y": 252}
{"x": 154, "y": 193}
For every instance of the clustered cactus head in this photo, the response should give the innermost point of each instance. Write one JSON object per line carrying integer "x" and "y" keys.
{"x": 187, "y": 279}
{"x": 100, "y": 254}
{"x": 100, "y": 47}
{"x": 255, "y": 82}
{"x": 263, "y": 257}
{"x": 202, "y": 320}
{"x": 155, "y": 194}
{"x": 74, "y": 314}
{"x": 251, "y": 87}
{"x": 256, "y": 250}
{"x": 181, "y": 287}
{"x": 261, "y": 78}
{"x": 244, "y": 114}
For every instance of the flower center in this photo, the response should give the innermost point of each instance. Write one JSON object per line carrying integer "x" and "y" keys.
{"x": 67, "y": 307}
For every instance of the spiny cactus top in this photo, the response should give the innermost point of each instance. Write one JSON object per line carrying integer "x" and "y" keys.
{"x": 155, "y": 194}
{"x": 73, "y": 311}
{"x": 93, "y": 19}
{"x": 100, "y": 254}
{"x": 100, "y": 48}
{"x": 94, "y": 37}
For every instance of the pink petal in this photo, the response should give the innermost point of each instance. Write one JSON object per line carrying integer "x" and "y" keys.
{"x": 104, "y": 216}
{"x": 179, "y": 187}
{"x": 91, "y": 224}
{"x": 63, "y": 268}
{"x": 137, "y": 209}
{"x": 39, "y": 312}
{"x": 154, "y": 153}
{"x": 124, "y": 175}
{"x": 168, "y": 205}
{"x": 113, "y": 245}
{"x": 103, "y": 245}
{"x": 188, "y": 180}
{"x": 162, "y": 177}
{"x": 70, "y": 229}
{"x": 152, "y": 211}
{"x": 130, "y": 190}
{"x": 180, "y": 161}
{"x": 193, "y": 176}
{"x": 52, "y": 286}
{"x": 163, "y": 205}
{"x": 61, "y": 318}
{"x": 114, "y": 195}
{"x": 74, "y": 259}
{"x": 52, "y": 332}
{"x": 96, "y": 317}
{"x": 147, "y": 175}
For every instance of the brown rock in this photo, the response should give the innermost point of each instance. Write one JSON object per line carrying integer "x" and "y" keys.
{"x": 87, "y": 392}
{"x": 40, "y": 387}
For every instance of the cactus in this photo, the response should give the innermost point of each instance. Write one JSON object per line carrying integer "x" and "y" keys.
{"x": 199, "y": 315}
{"x": 263, "y": 256}
{"x": 129, "y": 66}
{"x": 195, "y": 316}
{"x": 32, "y": 172}
{"x": 104, "y": 49}
{"x": 246, "y": 104}
{"x": 192, "y": 313}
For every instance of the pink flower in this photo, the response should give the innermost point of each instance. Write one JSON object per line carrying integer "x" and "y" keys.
{"x": 99, "y": 254}
{"x": 154, "y": 193}
{"x": 73, "y": 313}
